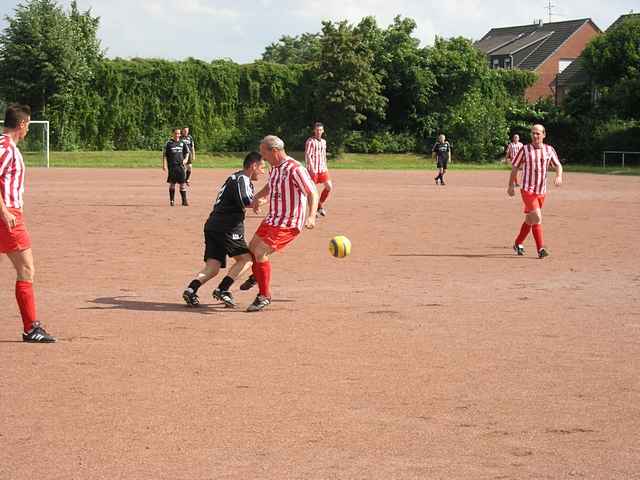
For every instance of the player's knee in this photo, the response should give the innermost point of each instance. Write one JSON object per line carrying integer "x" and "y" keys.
{"x": 534, "y": 217}
{"x": 26, "y": 273}
{"x": 328, "y": 186}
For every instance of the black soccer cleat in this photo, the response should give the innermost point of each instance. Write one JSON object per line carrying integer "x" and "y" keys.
{"x": 37, "y": 335}
{"x": 259, "y": 304}
{"x": 249, "y": 283}
{"x": 225, "y": 297}
{"x": 543, "y": 253}
{"x": 322, "y": 212}
{"x": 519, "y": 249}
{"x": 172, "y": 203}
{"x": 190, "y": 298}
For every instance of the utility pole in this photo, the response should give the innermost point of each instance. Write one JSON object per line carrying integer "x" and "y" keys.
{"x": 550, "y": 6}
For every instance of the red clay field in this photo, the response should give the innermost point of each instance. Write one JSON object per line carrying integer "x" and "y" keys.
{"x": 432, "y": 352}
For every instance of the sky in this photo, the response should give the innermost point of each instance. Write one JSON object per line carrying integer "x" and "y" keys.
{"x": 240, "y": 30}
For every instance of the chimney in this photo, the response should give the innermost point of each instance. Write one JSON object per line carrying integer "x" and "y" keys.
{"x": 540, "y": 23}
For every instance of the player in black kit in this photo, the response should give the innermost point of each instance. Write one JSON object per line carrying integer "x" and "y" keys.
{"x": 174, "y": 157}
{"x": 191, "y": 144}
{"x": 442, "y": 151}
{"x": 224, "y": 233}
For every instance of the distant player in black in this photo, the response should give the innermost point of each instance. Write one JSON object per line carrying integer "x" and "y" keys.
{"x": 442, "y": 151}
{"x": 188, "y": 139}
{"x": 224, "y": 233}
{"x": 174, "y": 157}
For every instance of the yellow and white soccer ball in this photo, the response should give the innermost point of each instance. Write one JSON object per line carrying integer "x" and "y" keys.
{"x": 340, "y": 246}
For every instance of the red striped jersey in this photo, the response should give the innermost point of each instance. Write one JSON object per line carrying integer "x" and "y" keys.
{"x": 11, "y": 173}
{"x": 535, "y": 163}
{"x": 513, "y": 149}
{"x": 315, "y": 155}
{"x": 289, "y": 185}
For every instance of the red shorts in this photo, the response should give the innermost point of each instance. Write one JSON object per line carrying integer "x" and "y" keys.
{"x": 532, "y": 201}
{"x": 322, "y": 177}
{"x": 16, "y": 239}
{"x": 276, "y": 237}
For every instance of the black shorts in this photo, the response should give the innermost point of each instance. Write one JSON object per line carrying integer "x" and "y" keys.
{"x": 176, "y": 175}
{"x": 443, "y": 164}
{"x": 220, "y": 245}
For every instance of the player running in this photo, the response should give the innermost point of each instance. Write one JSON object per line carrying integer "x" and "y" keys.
{"x": 315, "y": 157}
{"x": 535, "y": 160}
{"x": 442, "y": 151}
{"x": 14, "y": 237}
{"x": 513, "y": 148}
{"x": 191, "y": 144}
{"x": 224, "y": 232}
{"x": 174, "y": 158}
{"x": 291, "y": 193}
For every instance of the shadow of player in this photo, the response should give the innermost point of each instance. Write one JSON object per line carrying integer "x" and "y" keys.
{"x": 127, "y": 303}
{"x": 464, "y": 255}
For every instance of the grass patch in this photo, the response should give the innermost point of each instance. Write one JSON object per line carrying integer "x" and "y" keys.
{"x": 231, "y": 160}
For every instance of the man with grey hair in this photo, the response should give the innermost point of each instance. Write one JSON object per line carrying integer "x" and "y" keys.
{"x": 293, "y": 203}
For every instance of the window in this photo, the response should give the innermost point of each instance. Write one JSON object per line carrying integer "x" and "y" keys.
{"x": 507, "y": 62}
{"x": 496, "y": 63}
{"x": 564, "y": 63}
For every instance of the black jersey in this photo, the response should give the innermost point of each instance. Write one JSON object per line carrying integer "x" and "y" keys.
{"x": 442, "y": 151}
{"x": 188, "y": 140}
{"x": 229, "y": 208}
{"x": 175, "y": 152}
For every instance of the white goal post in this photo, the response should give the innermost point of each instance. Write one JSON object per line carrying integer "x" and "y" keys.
{"x": 619, "y": 154}
{"x": 35, "y": 148}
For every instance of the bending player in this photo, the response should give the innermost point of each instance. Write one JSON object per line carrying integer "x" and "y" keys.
{"x": 14, "y": 237}
{"x": 291, "y": 192}
{"x": 315, "y": 157}
{"x": 535, "y": 160}
{"x": 224, "y": 233}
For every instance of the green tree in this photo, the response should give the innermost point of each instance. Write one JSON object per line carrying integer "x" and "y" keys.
{"x": 290, "y": 50}
{"x": 48, "y": 57}
{"x": 348, "y": 90}
{"x": 613, "y": 62}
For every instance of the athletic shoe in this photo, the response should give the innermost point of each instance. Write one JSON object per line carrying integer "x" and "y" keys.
{"x": 543, "y": 253}
{"x": 322, "y": 212}
{"x": 442, "y": 182}
{"x": 519, "y": 249}
{"x": 225, "y": 297}
{"x": 249, "y": 283}
{"x": 437, "y": 179}
{"x": 37, "y": 335}
{"x": 258, "y": 304}
{"x": 190, "y": 298}
{"x": 185, "y": 204}
{"x": 172, "y": 203}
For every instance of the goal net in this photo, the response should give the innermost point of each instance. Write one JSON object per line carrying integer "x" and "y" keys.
{"x": 35, "y": 147}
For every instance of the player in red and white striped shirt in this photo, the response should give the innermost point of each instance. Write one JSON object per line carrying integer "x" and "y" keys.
{"x": 535, "y": 160}
{"x": 14, "y": 237}
{"x": 290, "y": 192}
{"x": 513, "y": 149}
{"x": 315, "y": 157}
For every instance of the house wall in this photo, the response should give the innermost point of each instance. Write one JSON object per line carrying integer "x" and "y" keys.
{"x": 549, "y": 69}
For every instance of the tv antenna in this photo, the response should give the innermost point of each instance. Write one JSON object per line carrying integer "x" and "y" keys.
{"x": 550, "y": 8}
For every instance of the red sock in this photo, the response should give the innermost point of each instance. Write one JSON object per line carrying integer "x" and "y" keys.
{"x": 537, "y": 234}
{"x": 262, "y": 272}
{"x": 27, "y": 303}
{"x": 324, "y": 195}
{"x": 524, "y": 231}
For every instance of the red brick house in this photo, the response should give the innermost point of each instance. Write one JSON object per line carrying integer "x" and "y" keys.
{"x": 545, "y": 48}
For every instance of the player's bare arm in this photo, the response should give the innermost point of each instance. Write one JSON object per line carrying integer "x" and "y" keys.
{"x": 558, "y": 179}
{"x": 164, "y": 162}
{"x": 7, "y": 217}
{"x": 312, "y": 204}
{"x": 511, "y": 191}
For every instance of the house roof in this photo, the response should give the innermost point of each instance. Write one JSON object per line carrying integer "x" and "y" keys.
{"x": 548, "y": 37}
{"x": 576, "y": 73}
